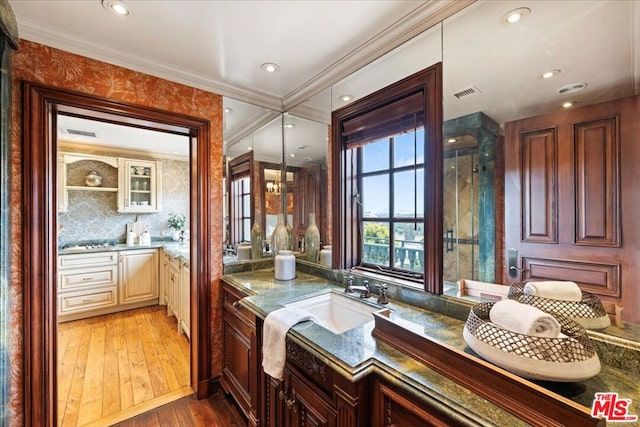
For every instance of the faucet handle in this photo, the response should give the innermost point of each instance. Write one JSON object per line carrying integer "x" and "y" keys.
{"x": 348, "y": 284}
{"x": 382, "y": 297}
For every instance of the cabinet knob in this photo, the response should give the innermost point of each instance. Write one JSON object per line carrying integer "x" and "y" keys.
{"x": 281, "y": 395}
{"x": 236, "y": 304}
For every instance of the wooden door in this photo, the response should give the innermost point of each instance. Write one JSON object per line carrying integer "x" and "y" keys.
{"x": 572, "y": 199}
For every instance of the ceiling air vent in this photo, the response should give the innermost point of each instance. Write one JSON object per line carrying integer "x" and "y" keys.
{"x": 468, "y": 91}
{"x": 81, "y": 132}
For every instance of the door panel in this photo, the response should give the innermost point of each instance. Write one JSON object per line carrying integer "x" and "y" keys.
{"x": 570, "y": 193}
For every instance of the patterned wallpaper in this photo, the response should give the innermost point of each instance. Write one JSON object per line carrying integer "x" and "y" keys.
{"x": 94, "y": 215}
{"x": 44, "y": 64}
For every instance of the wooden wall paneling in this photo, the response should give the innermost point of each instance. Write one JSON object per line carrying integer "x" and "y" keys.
{"x": 598, "y": 278}
{"x": 539, "y": 186}
{"x": 597, "y": 168}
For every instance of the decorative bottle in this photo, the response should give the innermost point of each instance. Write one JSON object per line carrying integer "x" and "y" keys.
{"x": 289, "y": 235}
{"x": 312, "y": 239}
{"x": 325, "y": 255}
{"x": 285, "y": 265}
{"x": 279, "y": 237}
{"x": 256, "y": 237}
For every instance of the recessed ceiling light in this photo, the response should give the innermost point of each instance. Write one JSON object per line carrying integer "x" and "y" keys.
{"x": 228, "y": 110}
{"x": 174, "y": 152}
{"x": 116, "y": 6}
{"x": 515, "y": 15}
{"x": 571, "y": 88}
{"x": 270, "y": 67}
{"x": 451, "y": 140}
{"x": 568, "y": 104}
{"x": 550, "y": 73}
{"x": 289, "y": 125}
{"x": 345, "y": 98}
{"x": 249, "y": 148}
{"x": 292, "y": 155}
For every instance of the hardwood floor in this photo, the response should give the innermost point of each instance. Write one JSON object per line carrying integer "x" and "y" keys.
{"x": 118, "y": 362}
{"x": 189, "y": 412}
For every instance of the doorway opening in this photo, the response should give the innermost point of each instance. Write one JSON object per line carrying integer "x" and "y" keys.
{"x": 41, "y": 107}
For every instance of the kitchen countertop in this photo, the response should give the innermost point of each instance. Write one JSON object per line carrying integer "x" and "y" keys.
{"x": 174, "y": 248}
{"x": 355, "y": 353}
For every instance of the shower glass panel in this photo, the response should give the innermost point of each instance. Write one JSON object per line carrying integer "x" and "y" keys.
{"x": 460, "y": 208}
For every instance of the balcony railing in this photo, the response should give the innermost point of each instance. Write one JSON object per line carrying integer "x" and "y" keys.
{"x": 407, "y": 255}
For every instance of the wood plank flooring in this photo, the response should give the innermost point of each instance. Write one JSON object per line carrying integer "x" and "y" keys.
{"x": 113, "y": 363}
{"x": 189, "y": 412}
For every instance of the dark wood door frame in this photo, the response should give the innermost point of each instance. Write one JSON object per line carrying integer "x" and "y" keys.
{"x": 40, "y": 107}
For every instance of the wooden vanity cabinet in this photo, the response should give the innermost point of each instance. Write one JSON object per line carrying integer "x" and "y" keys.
{"x": 311, "y": 393}
{"x": 393, "y": 407}
{"x": 241, "y": 362}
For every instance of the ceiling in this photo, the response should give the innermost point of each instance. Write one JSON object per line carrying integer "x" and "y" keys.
{"x": 220, "y": 45}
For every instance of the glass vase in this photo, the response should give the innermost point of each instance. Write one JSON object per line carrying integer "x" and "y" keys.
{"x": 279, "y": 237}
{"x": 312, "y": 239}
{"x": 256, "y": 237}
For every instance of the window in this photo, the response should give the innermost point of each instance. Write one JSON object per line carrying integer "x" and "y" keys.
{"x": 240, "y": 206}
{"x": 391, "y": 213}
{"x": 389, "y": 172}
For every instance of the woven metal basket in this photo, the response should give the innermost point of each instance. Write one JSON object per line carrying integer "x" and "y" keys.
{"x": 574, "y": 347}
{"x": 589, "y": 307}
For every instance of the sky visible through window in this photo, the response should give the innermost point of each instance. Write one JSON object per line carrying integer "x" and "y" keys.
{"x": 375, "y": 190}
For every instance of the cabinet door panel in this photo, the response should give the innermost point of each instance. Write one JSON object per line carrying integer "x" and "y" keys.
{"x": 304, "y": 407}
{"x": 392, "y": 408}
{"x": 139, "y": 275}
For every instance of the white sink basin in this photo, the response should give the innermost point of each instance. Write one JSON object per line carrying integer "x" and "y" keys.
{"x": 336, "y": 312}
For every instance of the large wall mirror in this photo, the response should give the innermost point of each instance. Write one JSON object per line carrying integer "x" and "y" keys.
{"x": 493, "y": 74}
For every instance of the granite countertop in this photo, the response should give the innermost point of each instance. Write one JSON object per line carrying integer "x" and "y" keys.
{"x": 175, "y": 249}
{"x": 355, "y": 353}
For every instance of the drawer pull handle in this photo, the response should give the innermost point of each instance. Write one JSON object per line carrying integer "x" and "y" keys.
{"x": 236, "y": 304}
{"x": 86, "y": 279}
{"x": 281, "y": 395}
{"x": 87, "y": 300}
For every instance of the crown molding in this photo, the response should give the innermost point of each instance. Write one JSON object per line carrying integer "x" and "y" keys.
{"x": 419, "y": 20}
{"x": 250, "y": 127}
{"x": 49, "y": 36}
{"x": 311, "y": 113}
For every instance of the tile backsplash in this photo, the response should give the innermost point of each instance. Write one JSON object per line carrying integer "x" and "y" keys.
{"x": 95, "y": 216}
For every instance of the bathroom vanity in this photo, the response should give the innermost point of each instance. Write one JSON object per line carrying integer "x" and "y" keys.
{"x": 352, "y": 378}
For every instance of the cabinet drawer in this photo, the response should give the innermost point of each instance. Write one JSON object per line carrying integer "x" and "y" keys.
{"x": 87, "y": 259}
{"x": 85, "y": 277}
{"x": 90, "y": 300}
{"x": 230, "y": 302}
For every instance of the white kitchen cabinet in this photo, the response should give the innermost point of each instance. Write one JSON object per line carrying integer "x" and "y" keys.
{"x": 185, "y": 298}
{"x": 87, "y": 283}
{"x": 140, "y": 186}
{"x": 66, "y": 183}
{"x": 173, "y": 289}
{"x": 138, "y": 275}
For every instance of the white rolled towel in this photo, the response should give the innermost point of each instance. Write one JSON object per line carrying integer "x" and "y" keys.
{"x": 564, "y": 291}
{"x": 524, "y": 319}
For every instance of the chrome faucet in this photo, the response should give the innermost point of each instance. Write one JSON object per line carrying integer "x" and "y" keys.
{"x": 364, "y": 289}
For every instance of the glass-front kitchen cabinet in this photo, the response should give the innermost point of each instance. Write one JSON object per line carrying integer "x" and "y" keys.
{"x": 141, "y": 186}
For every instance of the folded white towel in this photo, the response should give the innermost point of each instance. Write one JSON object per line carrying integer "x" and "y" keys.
{"x": 524, "y": 319}
{"x": 276, "y": 326}
{"x": 565, "y": 291}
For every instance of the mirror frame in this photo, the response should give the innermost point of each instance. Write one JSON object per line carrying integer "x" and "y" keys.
{"x": 40, "y": 106}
